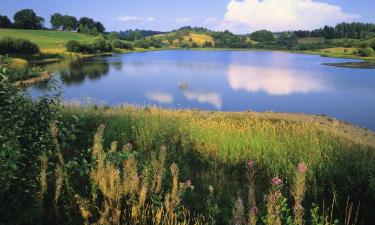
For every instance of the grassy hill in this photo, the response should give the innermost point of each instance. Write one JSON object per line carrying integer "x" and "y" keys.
{"x": 48, "y": 41}
{"x": 188, "y": 38}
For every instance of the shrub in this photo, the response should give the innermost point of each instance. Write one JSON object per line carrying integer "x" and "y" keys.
{"x": 122, "y": 44}
{"x": 99, "y": 45}
{"x": 365, "y": 52}
{"x": 141, "y": 44}
{"x": 17, "y": 46}
{"x": 73, "y": 46}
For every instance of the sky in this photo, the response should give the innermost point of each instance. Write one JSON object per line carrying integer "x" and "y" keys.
{"x": 238, "y": 16}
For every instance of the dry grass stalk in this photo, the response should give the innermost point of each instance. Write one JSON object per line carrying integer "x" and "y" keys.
{"x": 43, "y": 179}
{"x": 299, "y": 192}
{"x": 238, "y": 217}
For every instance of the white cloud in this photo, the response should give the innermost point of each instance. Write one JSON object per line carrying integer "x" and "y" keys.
{"x": 160, "y": 97}
{"x": 187, "y": 19}
{"x": 136, "y": 19}
{"x": 279, "y": 15}
{"x": 273, "y": 81}
{"x": 205, "y": 97}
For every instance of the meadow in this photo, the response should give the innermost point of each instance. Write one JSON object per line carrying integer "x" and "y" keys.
{"x": 48, "y": 41}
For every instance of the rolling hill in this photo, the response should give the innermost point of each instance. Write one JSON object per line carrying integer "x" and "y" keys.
{"x": 48, "y": 41}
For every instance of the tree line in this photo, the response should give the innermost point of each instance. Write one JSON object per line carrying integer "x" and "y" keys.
{"x": 28, "y": 19}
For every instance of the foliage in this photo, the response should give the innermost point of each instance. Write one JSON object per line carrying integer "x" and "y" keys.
{"x": 227, "y": 39}
{"x": 89, "y": 26}
{"x": 132, "y": 35}
{"x": 24, "y": 136}
{"x": 122, "y": 44}
{"x": 262, "y": 35}
{"x": 5, "y": 22}
{"x": 27, "y": 19}
{"x": 17, "y": 46}
{"x": 63, "y": 22}
{"x": 365, "y": 52}
{"x": 98, "y": 45}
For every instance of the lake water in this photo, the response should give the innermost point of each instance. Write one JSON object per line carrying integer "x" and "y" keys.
{"x": 223, "y": 80}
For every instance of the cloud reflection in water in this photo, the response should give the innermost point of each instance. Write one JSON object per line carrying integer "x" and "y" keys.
{"x": 273, "y": 81}
{"x": 205, "y": 97}
{"x": 160, "y": 97}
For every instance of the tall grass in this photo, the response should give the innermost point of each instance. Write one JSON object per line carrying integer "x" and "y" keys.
{"x": 212, "y": 149}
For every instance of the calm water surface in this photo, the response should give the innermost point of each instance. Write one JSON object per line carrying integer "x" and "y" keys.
{"x": 223, "y": 80}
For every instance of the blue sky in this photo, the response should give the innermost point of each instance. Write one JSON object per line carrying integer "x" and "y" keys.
{"x": 239, "y": 16}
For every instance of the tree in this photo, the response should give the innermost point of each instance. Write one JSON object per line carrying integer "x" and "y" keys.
{"x": 89, "y": 26}
{"x": 262, "y": 35}
{"x": 113, "y": 35}
{"x": 56, "y": 21}
{"x": 5, "y": 22}
{"x": 69, "y": 23}
{"x": 27, "y": 19}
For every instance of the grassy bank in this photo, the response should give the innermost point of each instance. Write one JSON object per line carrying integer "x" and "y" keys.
{"x": 211, "y": 148}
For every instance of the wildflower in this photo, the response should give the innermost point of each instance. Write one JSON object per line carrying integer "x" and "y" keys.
{"x": 254, "y": 209}
{"x": 188, "y": 182}
{"x": 302, "y": 167}
{"x": 211, "y": 189}
{"x": 250, "y": 164}
{"x": 276, "y": 181}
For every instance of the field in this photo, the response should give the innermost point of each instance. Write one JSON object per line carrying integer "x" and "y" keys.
{"x": 48, "y": 41}
{"x": 189, "y": 38}
{"x": 211, "y": 149}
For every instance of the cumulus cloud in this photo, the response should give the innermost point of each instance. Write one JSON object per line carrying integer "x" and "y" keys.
{"x": 277, "y": 15}
{"x": 136, "y": 19}
{"x": 160, "y": 97}
{"x": 273, "y": 81}
{"x": 205, "y": 97}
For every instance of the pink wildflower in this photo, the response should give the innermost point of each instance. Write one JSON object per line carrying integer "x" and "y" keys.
{"x": 276, "y": 181}
{"x": 250, "y": 164}
{"x": 302, "y": 167}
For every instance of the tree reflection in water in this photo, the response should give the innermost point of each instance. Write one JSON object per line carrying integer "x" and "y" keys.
{"x": 78, "y": 70}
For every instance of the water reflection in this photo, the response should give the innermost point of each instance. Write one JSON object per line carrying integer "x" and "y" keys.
{"x": 160, "y": 97}
{"x": 273, "y": 81}
{"x": 79, "y": 70}
{"x": 205, "y": 97}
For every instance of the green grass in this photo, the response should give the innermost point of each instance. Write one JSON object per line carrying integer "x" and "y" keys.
{"x": 48, "y": 41}
{"x": 211, "y": 148}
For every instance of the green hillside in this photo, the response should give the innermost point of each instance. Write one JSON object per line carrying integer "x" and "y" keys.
{"x": 48, "y": 41}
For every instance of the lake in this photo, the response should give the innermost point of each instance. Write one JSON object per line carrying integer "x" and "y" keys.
{"x": 222, "y": 80}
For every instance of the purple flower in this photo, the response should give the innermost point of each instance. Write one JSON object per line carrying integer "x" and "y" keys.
{"x": 302, "y": 167}
{"x": 277, "y": 181}
{"x": 250, "y": 164}
{"x": 254, "y": 209}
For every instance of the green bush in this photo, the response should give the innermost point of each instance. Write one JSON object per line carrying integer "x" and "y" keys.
{"x": 365, "y": 52}
{"x": 142, "y": 44}
{"x": 73, "y": 46}
{"x": 24, "y": 136}
{"x": 17, "y": 46}
{"x": 99, "y": 45}
{"x": 122, "y": 44}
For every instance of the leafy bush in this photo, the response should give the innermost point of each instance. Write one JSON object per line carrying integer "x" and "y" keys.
{"x": 142, "y": 44}
{"x": 24, "y": 136}
{"x": 17, "y": 46}
{"x": 73, "y": 46}
{"x": 365, "y": 52}
{"x": 122, "y": 44}
{"x": 99, "y": 45}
